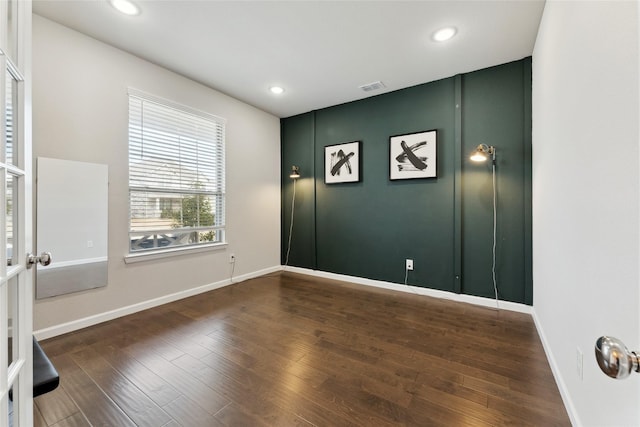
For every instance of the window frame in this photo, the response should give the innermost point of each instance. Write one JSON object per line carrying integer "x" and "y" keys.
{"x": 218, "y": 197}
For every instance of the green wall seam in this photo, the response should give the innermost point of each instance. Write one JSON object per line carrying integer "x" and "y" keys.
{"x": 527, "y": 183}
{"x": 315, "y": 196}
{"x": 457, "y": 199}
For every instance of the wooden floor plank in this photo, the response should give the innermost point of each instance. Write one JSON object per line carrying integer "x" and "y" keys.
{"x": 187, "y": 413}
{"x": 131, "y": 400}
{"x": 55, "y": 406}
{"x": 275, "y": 402}
{"x": 149, "y": 382}
{"x": 233, "y": 415}
{"x": 97, "y": 407}
{"x": 75, "y": 420}
{"x": 426, "y": 413}
{"x": 38, "y": 419}
{"x": 206, "y": 396}
{"x": 293, "y": 350}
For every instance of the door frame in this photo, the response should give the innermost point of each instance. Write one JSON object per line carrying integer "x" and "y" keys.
{"x": 16, "y": 224}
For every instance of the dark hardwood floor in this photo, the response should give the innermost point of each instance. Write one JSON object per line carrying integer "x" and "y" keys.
{"x": 291, "y": 350}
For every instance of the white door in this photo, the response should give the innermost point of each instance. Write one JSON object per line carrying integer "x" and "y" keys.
{"x": 16, "y": 291}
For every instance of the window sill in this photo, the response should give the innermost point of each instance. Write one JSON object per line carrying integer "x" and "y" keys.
{"x": 169, "y": 253}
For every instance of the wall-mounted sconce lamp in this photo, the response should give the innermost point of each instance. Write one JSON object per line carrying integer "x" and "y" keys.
{"x": 482, "y": 153}
{"x": 295, "y": 172}
{"x": 614, "y": 359}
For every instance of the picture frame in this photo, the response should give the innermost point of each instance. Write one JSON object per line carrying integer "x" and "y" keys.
{"x": 343, "y": 163}
{"x": 413, "y": 155}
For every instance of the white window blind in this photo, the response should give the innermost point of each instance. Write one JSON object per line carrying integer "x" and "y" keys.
{"x": 176, "y": 175}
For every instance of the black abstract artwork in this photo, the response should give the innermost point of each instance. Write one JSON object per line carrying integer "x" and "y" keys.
{"x": 413, "y": 155}
{"x": 342, "y": 162}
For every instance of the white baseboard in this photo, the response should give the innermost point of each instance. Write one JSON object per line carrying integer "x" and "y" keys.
{"x": 74, "y": 325}
{"x": 470, "y": 299}
{"x": 564, "y": 393}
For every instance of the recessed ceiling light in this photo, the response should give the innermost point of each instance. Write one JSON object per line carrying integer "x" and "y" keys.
{"x": 276, "y": 90}
{"x": 126, "y": 7}
{"x": 444, "y": 34}
{"x": 372, "y": 86}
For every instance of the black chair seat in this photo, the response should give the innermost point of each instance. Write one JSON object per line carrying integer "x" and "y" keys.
{"x": 45, "y": 376}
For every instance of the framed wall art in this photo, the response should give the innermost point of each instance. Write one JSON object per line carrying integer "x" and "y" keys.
{"x": 342, "y": 162}
{"x": 413, "y": 155}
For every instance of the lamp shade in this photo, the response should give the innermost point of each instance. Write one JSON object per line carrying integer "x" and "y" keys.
{"x": 478, "y": 156}
{"x": 482, "y": 153}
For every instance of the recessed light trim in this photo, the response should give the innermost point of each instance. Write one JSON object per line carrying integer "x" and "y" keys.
{"x": 276, "y": 90}
{"x": 125, "y": 6}
{"x": 444, "y": 34}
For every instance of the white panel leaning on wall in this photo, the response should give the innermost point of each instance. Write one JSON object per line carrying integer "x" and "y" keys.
{"x": 72, "y": 207}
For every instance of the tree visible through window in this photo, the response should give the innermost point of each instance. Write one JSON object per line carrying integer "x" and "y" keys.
{"x": 176, "y": 175}
{"x": 195, "y": 211}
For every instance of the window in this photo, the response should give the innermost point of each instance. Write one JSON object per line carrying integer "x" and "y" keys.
{"x": 176, "y": 176}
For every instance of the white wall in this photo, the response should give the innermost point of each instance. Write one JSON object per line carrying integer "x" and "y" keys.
{"x": 586, "y": 199}
{"x": 80, "y": 113}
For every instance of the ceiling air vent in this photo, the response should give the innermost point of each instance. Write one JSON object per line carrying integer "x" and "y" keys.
{"x": 372, "y": 86}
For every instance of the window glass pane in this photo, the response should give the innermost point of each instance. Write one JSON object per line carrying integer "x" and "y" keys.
{"x": 153, "y": 210}
{"x": 176, "y": 176}
{"x": 172, "y": 219}
{"x": 12, "y": 28}
{"x": 11, "y": 101}
{"x": 154, "y": 240}
{"x": 12, "y": 312}
{"x": 10, "y": 213}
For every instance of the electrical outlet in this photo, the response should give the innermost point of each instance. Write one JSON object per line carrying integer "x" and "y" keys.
{"x": 409, "y": 264}
{"x": 232, "y": 258}
{"x": 579, "y": 360}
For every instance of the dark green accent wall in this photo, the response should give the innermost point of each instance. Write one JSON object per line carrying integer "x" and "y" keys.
{"x": 368, "y": 229}
{"x": 298, "y": 141}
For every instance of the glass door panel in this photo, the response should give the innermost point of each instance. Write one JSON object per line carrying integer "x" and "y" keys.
{"x": 12, "y": 28}
{"x": 11, "y": 116}
{"x": 10, "y": 212}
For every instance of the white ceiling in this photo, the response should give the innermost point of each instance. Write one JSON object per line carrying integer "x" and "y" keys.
{"x": 319, "y": 51}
